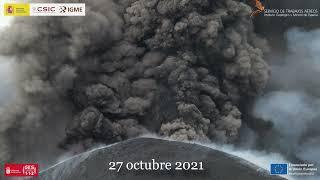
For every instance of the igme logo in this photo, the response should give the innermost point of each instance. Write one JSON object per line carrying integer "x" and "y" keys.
{"x": 259, "y": 8}
{"x": 65, "y": 9}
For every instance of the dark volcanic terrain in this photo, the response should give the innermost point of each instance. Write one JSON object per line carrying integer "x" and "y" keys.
{"x": 93, "y": 165}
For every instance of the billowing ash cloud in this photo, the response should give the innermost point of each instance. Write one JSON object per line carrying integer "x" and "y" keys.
{"x": 7, "y": 82}
{"x": 293, "y": 105}
{"x": 173, "y": 67}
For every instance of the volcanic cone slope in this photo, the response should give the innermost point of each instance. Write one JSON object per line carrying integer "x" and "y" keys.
{"x": 94, "y": 165}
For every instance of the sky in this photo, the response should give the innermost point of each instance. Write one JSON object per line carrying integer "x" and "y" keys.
{"x": 4, "y": 21}
{"x": 5, "y": 64}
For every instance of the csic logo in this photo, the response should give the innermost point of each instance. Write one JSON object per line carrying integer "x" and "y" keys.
{"x": 258, "y": 8}
{"x": 21, "y": 170}
{"x": 44, "y": 9}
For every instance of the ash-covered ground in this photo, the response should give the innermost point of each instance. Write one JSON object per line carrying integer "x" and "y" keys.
{"x": 216, "y": 164}
{"x": 183, "y": 69}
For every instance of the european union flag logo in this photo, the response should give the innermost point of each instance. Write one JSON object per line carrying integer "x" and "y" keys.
{"x": 276, "y": 169}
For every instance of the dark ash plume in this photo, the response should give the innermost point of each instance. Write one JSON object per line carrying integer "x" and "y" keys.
{"x": 176, "y": 68}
